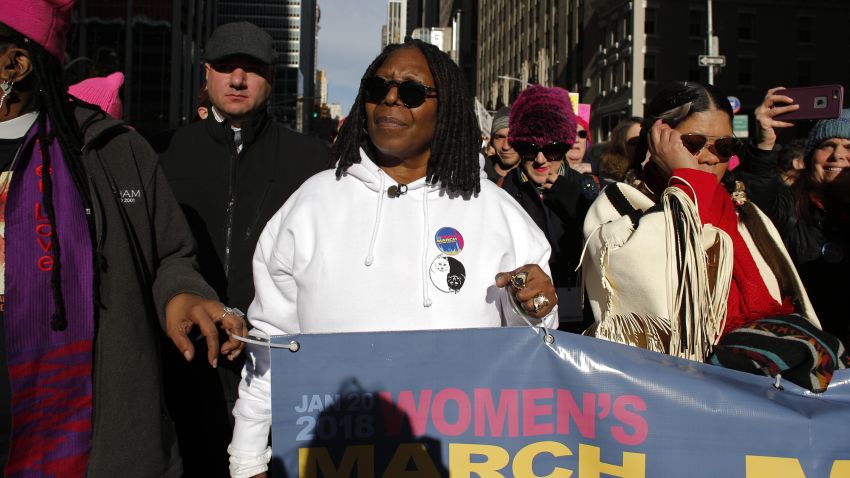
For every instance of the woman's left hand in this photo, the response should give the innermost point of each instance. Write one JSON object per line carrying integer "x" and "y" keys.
{"x": 531, "y": 287}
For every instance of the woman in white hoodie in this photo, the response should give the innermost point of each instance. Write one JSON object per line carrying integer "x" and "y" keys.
{"x": 404, "y": 235}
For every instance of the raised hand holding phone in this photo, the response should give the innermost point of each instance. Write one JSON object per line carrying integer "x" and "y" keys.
{"x": 816, "y": 102}
{"x": 775, "y": 103}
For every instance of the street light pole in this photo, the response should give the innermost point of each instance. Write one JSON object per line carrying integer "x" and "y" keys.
{"x": 710, "y": 43}
{"x": 511, "y": 78}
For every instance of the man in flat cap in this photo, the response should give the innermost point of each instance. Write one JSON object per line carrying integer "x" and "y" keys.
{"x": 230, "y": 172}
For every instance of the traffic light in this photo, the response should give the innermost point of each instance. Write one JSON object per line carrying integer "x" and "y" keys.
{"x": 316, "y": 110}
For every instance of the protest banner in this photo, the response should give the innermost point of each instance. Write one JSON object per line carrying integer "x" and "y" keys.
{"x": 504, "y": 402}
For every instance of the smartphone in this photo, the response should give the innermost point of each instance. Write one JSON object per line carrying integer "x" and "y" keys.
{"x": 816, "y": 102}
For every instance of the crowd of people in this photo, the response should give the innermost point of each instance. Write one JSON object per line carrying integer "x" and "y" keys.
{"x": 111, "y": 246}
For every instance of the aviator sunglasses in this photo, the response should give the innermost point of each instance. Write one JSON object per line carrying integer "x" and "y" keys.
{"x": 723, "y": 147}
{"x": 411, "y": 93}
{"x": 554, "y": 151}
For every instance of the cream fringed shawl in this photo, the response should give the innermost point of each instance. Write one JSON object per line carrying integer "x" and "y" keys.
{"x": 656, "y": 278}
{"x": 641, "y": 277}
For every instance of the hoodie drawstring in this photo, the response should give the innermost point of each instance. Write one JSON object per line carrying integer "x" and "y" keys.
{"x": 369, "y": 257}
{"x": 426, "y": 300}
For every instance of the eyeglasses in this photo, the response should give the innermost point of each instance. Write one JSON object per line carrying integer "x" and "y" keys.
{"x": 412, "y": 93}
{"x": 724, "y": 147}
{"x": 554, "y": 151}
{"x": 581, "y": 134}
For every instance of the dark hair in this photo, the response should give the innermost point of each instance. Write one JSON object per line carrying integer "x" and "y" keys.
{"x": 50, "y": 97}
{"x": 675, "y": 103}
{"x": 793, "y": 150}
{"x": 618, "y": 135}
{"x": 457, "y": 139}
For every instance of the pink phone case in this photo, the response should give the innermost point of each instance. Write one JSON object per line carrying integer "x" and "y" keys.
{"x": 816, "y": 102}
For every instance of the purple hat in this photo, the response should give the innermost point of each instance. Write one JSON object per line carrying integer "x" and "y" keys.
{"x": 542, "y": 115}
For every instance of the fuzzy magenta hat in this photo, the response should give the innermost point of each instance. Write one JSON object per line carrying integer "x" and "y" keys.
{"x": 101, "y": 91}
{"x": 43, "y": 21}
{"x": 542, "y": 115}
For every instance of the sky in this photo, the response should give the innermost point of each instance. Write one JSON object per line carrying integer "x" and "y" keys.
{"x": 349, "y": 39}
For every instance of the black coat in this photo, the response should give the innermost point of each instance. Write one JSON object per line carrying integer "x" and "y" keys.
{"x": 229, "y": 197}
{"x": 825, "y": 275}
{"x": 560, "y": 215}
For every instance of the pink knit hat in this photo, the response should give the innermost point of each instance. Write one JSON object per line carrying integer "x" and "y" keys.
{"x": 43, "y": 21}
{"x": 101, "y": 91}
{"x": 542, "y": 115}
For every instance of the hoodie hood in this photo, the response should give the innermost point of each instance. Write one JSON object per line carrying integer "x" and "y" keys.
{"x": 374, "y": 178}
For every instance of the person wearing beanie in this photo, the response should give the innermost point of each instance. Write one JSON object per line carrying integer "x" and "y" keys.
{"x": 542, "y": 130}
{"x": 97, "y": 265}
{"x": 505, "y": 158}
{"x": 101, "y": 91}
{"x": 230, "y": 172}
{"x": 811, "y": 213}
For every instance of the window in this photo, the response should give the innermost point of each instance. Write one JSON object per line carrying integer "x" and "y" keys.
{"x": 649, "y": 67}
{"x": 746, "y": 71}
{"x": 694, "y": 70}
{"x": 804, "y": 72}
{"x": 804, "y": 29}
{"x": 649, "y": 21}
{"x": 746, "y": 24}
{"x": 696, "y": 24}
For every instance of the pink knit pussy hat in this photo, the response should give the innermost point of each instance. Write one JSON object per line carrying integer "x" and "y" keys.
{"x": 43, "y": 21}
{"x": 542, "y": 115}
{"x": 101, "y": 91}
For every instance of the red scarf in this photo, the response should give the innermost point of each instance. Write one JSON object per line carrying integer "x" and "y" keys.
{"x": 749, "y": 298}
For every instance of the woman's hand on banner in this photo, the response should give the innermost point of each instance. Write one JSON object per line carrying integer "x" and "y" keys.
{"x": 184, "y": 311}
{"x": 531, "y": 287}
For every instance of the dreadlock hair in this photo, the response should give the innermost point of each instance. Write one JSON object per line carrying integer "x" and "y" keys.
{"x": 675, "y": 103}
{"x": 455, "y": 145}
{"x": 50, "y": 97}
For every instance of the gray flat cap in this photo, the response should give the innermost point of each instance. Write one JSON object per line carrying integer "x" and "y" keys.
{"x": 240, "y": 38}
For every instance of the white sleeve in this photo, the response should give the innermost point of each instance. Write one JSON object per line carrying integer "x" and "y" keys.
{"x": 273, "y": 312}
{"x": 530, "y": 247}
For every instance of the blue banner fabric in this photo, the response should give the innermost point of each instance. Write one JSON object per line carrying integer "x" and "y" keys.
{"x": 493, "y": 403}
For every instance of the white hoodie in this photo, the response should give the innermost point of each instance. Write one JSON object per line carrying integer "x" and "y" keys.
{"x": 344, "y": 256}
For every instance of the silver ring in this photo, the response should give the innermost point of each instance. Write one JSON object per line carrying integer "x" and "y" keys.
{"x": 519, "y": 279}
{"x": 539, "y": 302}
{"x": 230, "y": 311}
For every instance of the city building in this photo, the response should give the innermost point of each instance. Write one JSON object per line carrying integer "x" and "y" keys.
{"x": 294, "y": 26}
{"x": 335, "y": 110}
{"x": 159, "y": 54}
{"x": 762, "y": 45}
{"x": 451, "y": 25}
{"x": 521, "y": 42}
{"x": 396, "y": 26}
{"x": 617, "y": 53}
{"x": 322, "y": 86}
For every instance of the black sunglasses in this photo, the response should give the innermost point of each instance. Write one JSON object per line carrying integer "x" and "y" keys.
{"x": 581, "y": 134}
{"x": 724, "y": 147}
{"x": 411, "y": 93}
{"x": 554, "y": 151}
